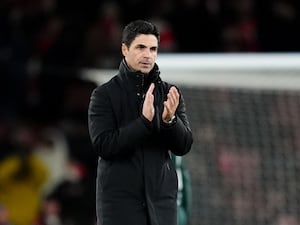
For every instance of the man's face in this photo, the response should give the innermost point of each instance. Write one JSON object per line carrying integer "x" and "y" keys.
{"x": 142, "y": 53}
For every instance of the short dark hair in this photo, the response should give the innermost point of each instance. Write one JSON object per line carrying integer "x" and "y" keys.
{"x": 137, "y": 27}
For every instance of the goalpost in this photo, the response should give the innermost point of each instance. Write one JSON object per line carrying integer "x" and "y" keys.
{"x": 241, "y": 70}
{"x": 244, "y": 111}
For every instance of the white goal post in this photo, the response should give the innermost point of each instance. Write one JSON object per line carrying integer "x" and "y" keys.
{"x": 246, "y": 70}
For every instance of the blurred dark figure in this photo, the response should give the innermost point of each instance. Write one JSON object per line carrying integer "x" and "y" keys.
{"x": 74, "y": 196}
{"x": 77, "y": 191}
{"x": 101, "y": 41}
{"x": 206, "y": 37}
{"x": 239, "y": 28}
{"x": 50, "y": 212}
{"x": 279, "y": 22}
{"x": 287, "y": 219}
{"x": 5, "y": 140}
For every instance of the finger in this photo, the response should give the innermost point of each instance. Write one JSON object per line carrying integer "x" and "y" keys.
{"x": 173, "y": 90}
{"x": 168, "y": 108}
{"x": 151, "y": 88}
{"x": 176, "y": 96}
{"x": 173, "y": 95}
{"x": 166, "y": 111}
{"x": 148, "y": 108}
{"x": 173, "y": 99}
{"x": 149, "y": 98}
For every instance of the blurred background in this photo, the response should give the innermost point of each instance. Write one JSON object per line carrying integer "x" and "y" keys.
{"x": 245, "y": 161}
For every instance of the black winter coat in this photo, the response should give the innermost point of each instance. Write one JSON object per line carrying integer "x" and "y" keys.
{"x": 136, "y": 180}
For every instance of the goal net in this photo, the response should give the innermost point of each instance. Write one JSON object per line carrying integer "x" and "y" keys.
{"x": 244, "y": 111}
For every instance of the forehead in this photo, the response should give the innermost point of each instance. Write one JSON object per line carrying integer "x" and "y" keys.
{"x": 148, "y": 40}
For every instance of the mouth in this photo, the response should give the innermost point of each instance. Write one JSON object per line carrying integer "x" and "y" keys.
{"x": 145, "y": 64}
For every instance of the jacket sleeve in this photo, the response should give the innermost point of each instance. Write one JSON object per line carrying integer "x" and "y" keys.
{"x": 178, "y": 136}
{"x": 108, "y": 139}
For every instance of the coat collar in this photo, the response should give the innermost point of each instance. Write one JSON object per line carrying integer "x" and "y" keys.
{"x": 138, "y": 79}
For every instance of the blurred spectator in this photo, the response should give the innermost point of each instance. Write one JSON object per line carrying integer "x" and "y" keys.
{"x": 53, "y": 147}
{"x": 4, "y": 216}
{"x": 50, "y": 212}
{"x": 101, "y": 45}
{"x": 240, "y": 168}
{"x": 77, "y": 190}
{"x": 240, "y": 29}
{"x": 278, "y": 25}
{"x": 205, "y": 36}
{"x": 22, "y": 175}
{"x": 48, "y": 36}
{"x": 74, "y": 196}
{"x": 168, "y": 41}
{"x": 73, "y": 122}
{"x": 6, "y": 144}
{"x": 240, "y": 171}
{"x": 287, "y": 219}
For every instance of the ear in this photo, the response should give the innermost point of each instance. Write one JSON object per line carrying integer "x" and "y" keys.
{"x": 124, "y": 49}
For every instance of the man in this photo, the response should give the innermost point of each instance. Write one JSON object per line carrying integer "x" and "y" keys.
{"x": 22, "y": 176}
{"x": 136, "y": 121}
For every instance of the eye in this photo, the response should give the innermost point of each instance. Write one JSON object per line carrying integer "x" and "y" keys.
{"x": 153, "y": 49}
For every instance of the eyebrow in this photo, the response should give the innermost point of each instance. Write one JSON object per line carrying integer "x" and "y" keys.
{"x": 144, "y": 46}
{"x": 141, "y": 46}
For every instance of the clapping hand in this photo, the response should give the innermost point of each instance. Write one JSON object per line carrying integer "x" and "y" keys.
{"x": 148, "y": 107}
{"x": 170, "y": 105}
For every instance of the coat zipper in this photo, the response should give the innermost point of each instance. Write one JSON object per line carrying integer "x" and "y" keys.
{"x": 143, "y": 83}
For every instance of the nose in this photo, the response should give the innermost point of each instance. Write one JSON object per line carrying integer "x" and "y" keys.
{"x": 147, "y": 52}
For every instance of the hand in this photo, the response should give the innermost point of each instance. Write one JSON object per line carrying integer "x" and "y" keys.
{"x": 171, "y": 104}
{"x": 148, "y": 107}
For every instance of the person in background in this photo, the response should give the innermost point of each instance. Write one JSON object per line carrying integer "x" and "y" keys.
{"x": 22, "y": 176}
{"x": 136, "y": 121}
{"x": 4, "y": 216}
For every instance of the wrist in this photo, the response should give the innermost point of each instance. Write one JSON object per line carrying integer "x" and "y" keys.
{"x": 170, "y": 120}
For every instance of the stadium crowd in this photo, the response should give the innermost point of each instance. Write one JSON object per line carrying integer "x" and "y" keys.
{"x": 87, "y": 33}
